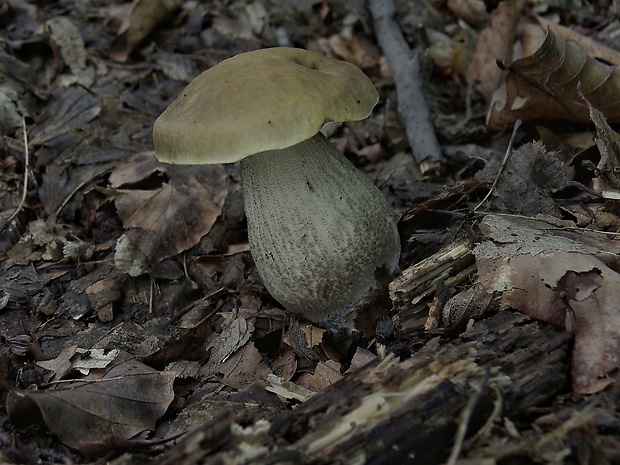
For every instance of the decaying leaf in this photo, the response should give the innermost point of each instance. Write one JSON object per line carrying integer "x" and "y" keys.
{"x": 494, "y": 43}
{"x": 567, "y": 280}
{"x": 544, "y": 86}
{"x": 81, "y": 360}
{"x": 530, "y": 176}
{"x": 231, "y": 339}
{"x": 71, "y": 110}
{"x": 171, "y": 218}
{"x": 474, "y": 12}
{"x": 244, "y": 368}
{"x": 129, "y": 398}
{"x": 68, "y": 43}
{"x": 17, "y": 91}
{"x": 288, "y": 389}
{"x": 325, "y": 374}
{"x": 234, "y": 359}
{"x": 608, "y": 142}
{"x": 143, "y": 17}
{"x": 585, "y": 43}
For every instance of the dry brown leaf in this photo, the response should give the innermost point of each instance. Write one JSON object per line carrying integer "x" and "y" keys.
{"x": 143, "y": 17}
{"x": 234, "y": 360}
{"x": 494, "y": 43}
{"x": 68, "y": 43}
{"x": 585, "y": 43}
{"x": 172, "y": 218}
{"x": 61, "y": 365}
{"x": 229, "y": 341}
{"x": 473, "y": 12}
{"x": 81, "y": 360}
{"x": 355, "y": 50}
{"x": 562, "y": 280}
{"x": 128, "y": 399}
{"x": 314, "y": 335}
{"x": 325, "y": 374}
{"x": 361, "y": 358}
{"x": 244, "y": 368}
{"x": 608, "y": 143}
{"x": 544, "y": 86}
{"x": 70, "y": 112}
{"x": 451, "y": 54}
{"x": 285, "y": 365}
{"x": 530, "y": 176}
{"x": 67, "y": 38}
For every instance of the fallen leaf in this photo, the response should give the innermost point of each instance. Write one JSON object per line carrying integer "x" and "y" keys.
{"x": 71, "y": 109}
{"x": 608, "y": 168}
{"x": 529, "y": 177}
{"x": 544, "y": 86}
{"x": 474, "y": 12}
{"x": 561, "y": 280}
{"x": 585, "y": 43}
{"x": 325, "y": 374}
{"x": 143, "y": 17}
{"x": 61, "y": 365}
{"x": 361, "y": 358}
{"x": 69, "y": 45}
{"x": 244, "y": 368}
{"x": 494, "y": 43}
{"x": 314, "y": 335}
{"x": 128, "y": 399}
{"x": 81, "y": 360}
{"x": 231, "y": 339}
{"x": 172, "y": 217}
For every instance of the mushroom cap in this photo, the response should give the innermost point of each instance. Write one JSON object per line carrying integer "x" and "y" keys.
{"x": 262, "y": 100}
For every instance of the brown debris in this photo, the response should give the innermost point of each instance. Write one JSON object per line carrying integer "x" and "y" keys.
{"x": 134, "y": 279}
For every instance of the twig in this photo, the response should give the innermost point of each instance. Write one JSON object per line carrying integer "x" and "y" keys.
{"x": 503, "y": 165}
{"x": 465, "y": 417}
{"x": 405, "y": 64}
{"x": 26, "y": 168}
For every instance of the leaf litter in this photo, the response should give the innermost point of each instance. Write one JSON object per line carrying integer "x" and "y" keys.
{"x": 119, "y": 402}
{"x": 114, "y": 251}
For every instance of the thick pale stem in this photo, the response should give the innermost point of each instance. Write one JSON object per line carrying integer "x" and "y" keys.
{"x": 318, "y": 229}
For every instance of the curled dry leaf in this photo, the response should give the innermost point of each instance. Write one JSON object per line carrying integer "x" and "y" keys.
{"x": 544, "y": 86}
{"x": 608, "y": 168}
{"x": 569, "y": 281}
{"x": 82, "y": 360}
{"x": 171, "y": 218}
{"x": 128, "y": 399}
{"x": 585, "y": 43}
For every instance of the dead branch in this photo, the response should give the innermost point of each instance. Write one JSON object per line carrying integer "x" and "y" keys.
{"x": 412, "y": 106}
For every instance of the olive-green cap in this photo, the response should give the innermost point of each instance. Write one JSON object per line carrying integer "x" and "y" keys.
{"x": 262, "y": 100}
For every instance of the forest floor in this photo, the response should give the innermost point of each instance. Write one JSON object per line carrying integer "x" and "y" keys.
{"x": 135, "y": 327}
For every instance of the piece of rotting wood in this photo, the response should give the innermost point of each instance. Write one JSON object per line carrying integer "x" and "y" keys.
{"x": 399, "y": 410}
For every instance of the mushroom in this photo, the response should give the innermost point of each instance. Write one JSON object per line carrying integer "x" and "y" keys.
{"x": 319, "y": 230}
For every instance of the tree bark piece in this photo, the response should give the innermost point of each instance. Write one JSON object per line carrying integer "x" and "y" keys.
{"x": 393, "y": 410}
{"x": 412, "y": 106}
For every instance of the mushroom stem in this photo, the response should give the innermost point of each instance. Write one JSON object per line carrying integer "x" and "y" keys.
{"x": 318, "y": 229}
